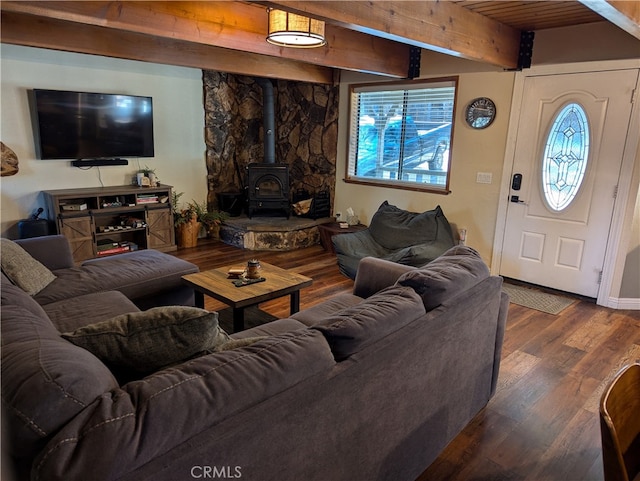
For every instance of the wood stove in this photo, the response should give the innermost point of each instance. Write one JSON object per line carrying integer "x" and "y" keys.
{"x": 268, "y": 181}
{"x": 268, "y": 188}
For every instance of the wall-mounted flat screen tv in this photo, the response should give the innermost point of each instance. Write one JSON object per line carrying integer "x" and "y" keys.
{"x": 83, "y": 125}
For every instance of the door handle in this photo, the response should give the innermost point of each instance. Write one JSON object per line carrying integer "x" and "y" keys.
{"x": 516, "y": 183}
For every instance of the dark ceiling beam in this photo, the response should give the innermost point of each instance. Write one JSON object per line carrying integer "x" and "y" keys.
{"x": 440, "y": 26}
{"x": 625, "y": 14}
{"x": 33, "y": 31}
{"x": 232, "y": 25}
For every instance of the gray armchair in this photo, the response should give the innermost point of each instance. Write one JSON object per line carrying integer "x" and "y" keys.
{"x": 396, "y": 235}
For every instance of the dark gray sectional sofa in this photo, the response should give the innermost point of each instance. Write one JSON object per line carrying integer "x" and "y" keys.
{"x": 147, "y": 277}
{"x": 364, "y": 386}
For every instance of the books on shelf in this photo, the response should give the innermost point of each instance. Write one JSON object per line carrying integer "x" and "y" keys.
{"x": 114, "y": 250}
{"x": 108, "y": 247}
{"x": 147, "y": 199}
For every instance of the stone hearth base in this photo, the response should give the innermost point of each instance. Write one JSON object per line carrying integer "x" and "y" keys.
{"x": 271, "y": 233}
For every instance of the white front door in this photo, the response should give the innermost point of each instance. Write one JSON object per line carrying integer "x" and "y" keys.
{"x": 567, "y": 159}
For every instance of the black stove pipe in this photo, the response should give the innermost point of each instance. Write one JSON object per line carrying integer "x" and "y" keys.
{"x": 269, "y": 120}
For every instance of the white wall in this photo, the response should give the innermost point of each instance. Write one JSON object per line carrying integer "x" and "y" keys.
{"x": 469, "y": 205}
{"x": 178, "y": 125}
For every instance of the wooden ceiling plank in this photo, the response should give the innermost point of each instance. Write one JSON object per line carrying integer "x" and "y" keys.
{"x": 533, "y": 15}
{"x": 535, "y": 10}
{"x": 557, "y": 16}
{"x": 505, "y": 9}
{"x": 441, "y": 26}
{"x": 624, "y": 14}
{"x": 33, "y": 31}
{"x": 232, "y": 25}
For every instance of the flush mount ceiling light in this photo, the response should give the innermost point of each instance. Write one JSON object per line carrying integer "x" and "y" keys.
{"x": 291, "y": 30}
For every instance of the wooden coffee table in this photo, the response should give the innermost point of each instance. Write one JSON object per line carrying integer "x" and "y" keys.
{"x": 217, "y": 284}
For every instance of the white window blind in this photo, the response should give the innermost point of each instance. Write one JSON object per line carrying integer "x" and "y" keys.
{"x": 402, "y": 132}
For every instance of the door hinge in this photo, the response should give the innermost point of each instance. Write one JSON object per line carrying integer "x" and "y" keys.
{"x": 615, "y": 191}
{"x": 599, "y": 277}
{"x": 634, "y": 95}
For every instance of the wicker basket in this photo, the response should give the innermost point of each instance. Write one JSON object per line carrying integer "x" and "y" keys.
{"x": 187, "y": 234}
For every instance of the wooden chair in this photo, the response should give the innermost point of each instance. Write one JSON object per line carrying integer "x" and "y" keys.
{"x": 620, "y": 426}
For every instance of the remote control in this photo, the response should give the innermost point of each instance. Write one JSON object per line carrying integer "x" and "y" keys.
{"x": 246, "y": 282}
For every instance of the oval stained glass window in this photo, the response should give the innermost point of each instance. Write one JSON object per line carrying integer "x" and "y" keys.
{"x": 565, "y": 157}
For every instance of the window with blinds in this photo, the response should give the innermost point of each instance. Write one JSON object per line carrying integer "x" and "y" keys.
{"x": 400, "y": 134}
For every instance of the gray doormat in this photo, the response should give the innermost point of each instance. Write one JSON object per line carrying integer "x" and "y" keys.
{"x": 536, "y": 299}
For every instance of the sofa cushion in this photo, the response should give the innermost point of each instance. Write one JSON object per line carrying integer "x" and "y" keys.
{"x": 12, "y": 294}
{"x": 239, "y": 343}
{"x": 46, "y": 381}
{"x": 146, "y": 341}
{"x": 352, "y": 329}
{"x": 147, "y": 421}
{"x": 458, "y": 269}
{"x": 375, "y": 274}
{"x": 395, "y": 228}
{"x": 54, "y": 251}
{"x": 273, "y": 328}
{"x": 136, "y": 274}
{"x": 312, "y": 315}
{"x": 71, "y": 314}
{"x": 23, "y": 270}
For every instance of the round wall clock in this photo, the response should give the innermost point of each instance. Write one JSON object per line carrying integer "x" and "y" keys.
{"x": 480, "y": 113}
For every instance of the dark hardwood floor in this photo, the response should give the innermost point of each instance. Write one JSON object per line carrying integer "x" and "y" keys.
{"x": 542, "y": 424}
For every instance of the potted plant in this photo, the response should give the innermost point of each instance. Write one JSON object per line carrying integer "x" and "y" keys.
{"x": 210, "y": 219}
{"x": 185, "y": 221}
{"x": 189, "y": 220}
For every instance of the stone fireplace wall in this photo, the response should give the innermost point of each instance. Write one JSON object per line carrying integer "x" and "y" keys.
{"x": 306, "y": 124}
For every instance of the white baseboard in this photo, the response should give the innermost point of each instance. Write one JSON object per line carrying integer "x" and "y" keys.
{"x": 624, "y": 303}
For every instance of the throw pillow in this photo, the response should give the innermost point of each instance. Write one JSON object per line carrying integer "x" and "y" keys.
{"x": 348, "y": 331}
{"x": 24, "y": 271}
{"x": 458, "y": 269}
{"x": 146, "y": 341}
